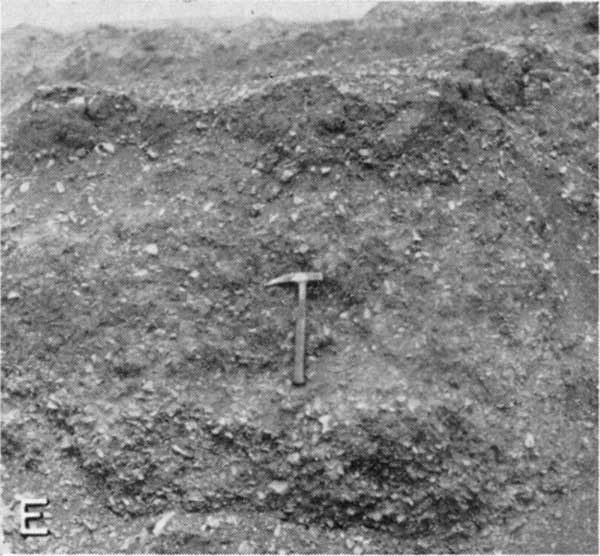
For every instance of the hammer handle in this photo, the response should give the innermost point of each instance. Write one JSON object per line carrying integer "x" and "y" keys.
{"x": 299, "y": 378}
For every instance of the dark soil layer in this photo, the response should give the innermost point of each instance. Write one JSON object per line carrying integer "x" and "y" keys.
{"x": 438, "y": 168}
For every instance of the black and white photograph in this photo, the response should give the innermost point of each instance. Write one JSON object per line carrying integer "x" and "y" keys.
{"x": 299, "y": 277}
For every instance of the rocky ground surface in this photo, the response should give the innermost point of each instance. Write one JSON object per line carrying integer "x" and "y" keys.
{"x": 438, "y": 165}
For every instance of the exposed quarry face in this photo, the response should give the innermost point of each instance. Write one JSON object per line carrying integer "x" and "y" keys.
{"x": 437, "y": 164}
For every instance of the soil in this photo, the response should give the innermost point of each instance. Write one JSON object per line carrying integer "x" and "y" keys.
{"x": 439, "y": 169}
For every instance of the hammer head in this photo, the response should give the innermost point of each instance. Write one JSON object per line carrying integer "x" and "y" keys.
{"x": 298, "y": 277}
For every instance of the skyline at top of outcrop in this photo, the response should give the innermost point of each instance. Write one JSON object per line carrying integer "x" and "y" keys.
{"x": 69, "y": 14}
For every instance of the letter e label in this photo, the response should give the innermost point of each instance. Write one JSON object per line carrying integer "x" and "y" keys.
{"x": 27, "y": 516}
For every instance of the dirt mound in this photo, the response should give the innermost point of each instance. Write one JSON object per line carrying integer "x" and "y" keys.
{"x": 309, "y": 125}
{"x": 305, "y": 108}
{"x": 308, "y": 120}
{"x": 29, "y": 55}
{"x": 67, "y": 120}
{"x": 410, "y": 472}
{"x": 110, "y": 56}
{"x": 257, "y": 32}
{"x": 500, "y": 74}
{"x": 16, "y": 40}
{"x": 409, "y": 13}
{"x": 64, "y": 122}
{"x": 104, "y": 56}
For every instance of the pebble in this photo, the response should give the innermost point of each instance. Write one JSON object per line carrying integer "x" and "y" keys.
{"x": 413, "y": 404}
{"x": 293, "y": 459}
{"x": 162, "y": 522}
{"x": 77, "y": 103}
{"x": 202, "y": 305}
{"x": 108, "y": 147}
{"x": 24, "y": 187}
{"x": 279, "y": 487}
{"x": 151, "y": 249}
{"x": 325, "y": 421}
{"x": 213, "y": 522}
{"x": 287, "y": 175}
{"x": 245, "y": 547}
{"x": 148, "y": 386}
{"x": 256, "y": 209}
{"x": 529, "y": 440}
{"x": 60, "y": 187}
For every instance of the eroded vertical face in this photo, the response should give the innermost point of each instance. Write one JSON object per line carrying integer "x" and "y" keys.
{"x": 425, "y": 177}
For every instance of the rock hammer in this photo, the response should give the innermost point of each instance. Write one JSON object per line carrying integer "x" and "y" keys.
{"x": 300, "y": 278}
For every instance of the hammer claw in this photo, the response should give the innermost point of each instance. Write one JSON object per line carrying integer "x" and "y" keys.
{"x": 297, "y": 277}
